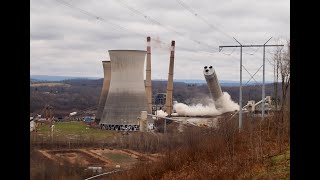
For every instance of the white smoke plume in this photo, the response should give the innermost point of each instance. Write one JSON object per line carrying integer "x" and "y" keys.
{"x": 161, "y": 113}
{"x": 222, "y": 105}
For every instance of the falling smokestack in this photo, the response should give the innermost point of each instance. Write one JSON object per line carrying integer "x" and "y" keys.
{"x": 127, "y": 94}
{"x": 105, "y": 88}
{"x": 170, "y": 81}
{"x": 148, "y": 75}
{"x": 212, "y": 82}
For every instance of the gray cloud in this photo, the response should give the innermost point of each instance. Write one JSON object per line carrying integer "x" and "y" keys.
{"x": 66, "y": 41}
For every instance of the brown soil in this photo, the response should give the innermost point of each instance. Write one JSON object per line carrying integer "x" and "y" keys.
{"x": 98, "y": 157}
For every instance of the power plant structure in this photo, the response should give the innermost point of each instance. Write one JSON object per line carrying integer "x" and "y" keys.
{"x": 148, "y": 74}
{"x": 170, "y": 81}
{"x": 127, "y": 94}
{"x": 212, "y": 82}
{"x": 105, "y": 89}
{"x": 159, "y": 102}
{"x": 255, "y": 108}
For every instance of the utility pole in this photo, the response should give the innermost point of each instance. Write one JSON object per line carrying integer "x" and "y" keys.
{"x": 263, "y": 86}
{"x": 263, "y": 83}
{"x": 240, "y": 96}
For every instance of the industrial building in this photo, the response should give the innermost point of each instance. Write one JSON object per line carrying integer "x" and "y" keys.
{"x": 159, "y": 102}
{"x": 255, "y": 108}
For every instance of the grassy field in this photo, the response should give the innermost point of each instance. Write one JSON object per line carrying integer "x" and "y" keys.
{"x": 116, "y": 157}
{"x": 280, "y": 165}
{"x": 277, "y": 167}
{"x": 72, "y": 130}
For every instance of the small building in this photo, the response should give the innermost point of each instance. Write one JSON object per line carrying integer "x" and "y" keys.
{"x": 73, "y": 113}
{"x": 42, "y": 120}
{"x": 59, "y": 119}
{"x": 32, "y": 126}
{"x": 160, "y": 99}
{"x": 95, "y": 169}
{"x": 88, "y": 119}
{"x": 150, "y": 126}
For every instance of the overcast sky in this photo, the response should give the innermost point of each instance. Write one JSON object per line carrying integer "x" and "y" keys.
{"x": 73, "y": 39}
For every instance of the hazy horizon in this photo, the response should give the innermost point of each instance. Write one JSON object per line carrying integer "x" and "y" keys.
{"x": 62, "y": 77}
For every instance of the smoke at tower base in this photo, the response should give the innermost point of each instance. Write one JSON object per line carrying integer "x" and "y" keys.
{"x": 161, "y": 113}
{"x": 224, "y": 103}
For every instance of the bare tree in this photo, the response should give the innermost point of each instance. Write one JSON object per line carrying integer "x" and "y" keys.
{"x": 281, "y": 63}
{"x": 285, "y": 86}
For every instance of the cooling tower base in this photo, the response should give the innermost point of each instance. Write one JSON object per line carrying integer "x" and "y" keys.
{"x": 120, "y": 127}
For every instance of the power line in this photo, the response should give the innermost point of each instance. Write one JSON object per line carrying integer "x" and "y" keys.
{"x": 95, "y": 16}
{"x": 148, "y": 18}
{"x": 81, "y": 10}
{"x": 253, "y": 52}
{"x": 99, "y": 18}
{"x": 193, "y": 12}
{"x": 184, "y": 5}
{"x": 154, "y": 21}
{"x": 121, "y": 27}
{"x": 102, "y": 19}
{"x": 229, "y": 53}
{"x": 263, "y": 85}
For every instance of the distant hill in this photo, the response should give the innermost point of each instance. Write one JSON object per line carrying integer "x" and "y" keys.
{"x": 226, "y": 83}
{"x": 81, "y": 94}
{"x": 34, "y": 80}
{"x": 203, "y": 81}
{"x": 56, "y": 78}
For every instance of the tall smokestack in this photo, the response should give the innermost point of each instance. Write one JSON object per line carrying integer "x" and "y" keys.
{"x": 170, "y": 81}
{"x": 127, "y": 94}
{"x": 148, "y": 75}
{"x": 105, "y": 88}
{"x": 212, "y": 82}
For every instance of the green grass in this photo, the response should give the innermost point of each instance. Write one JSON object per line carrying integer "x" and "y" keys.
{"x": 116, "y": 157}
{"x": 276, "y": 167}
{"x": 73, "y": 130}
{"x": 279, "y": 158}
{"x": 280, "y": 165}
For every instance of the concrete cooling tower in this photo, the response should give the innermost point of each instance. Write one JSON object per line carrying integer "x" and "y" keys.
{"x": 105, "y": 88}
{"x": 127, "y": 94}
{"x": 212, "y": 82}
